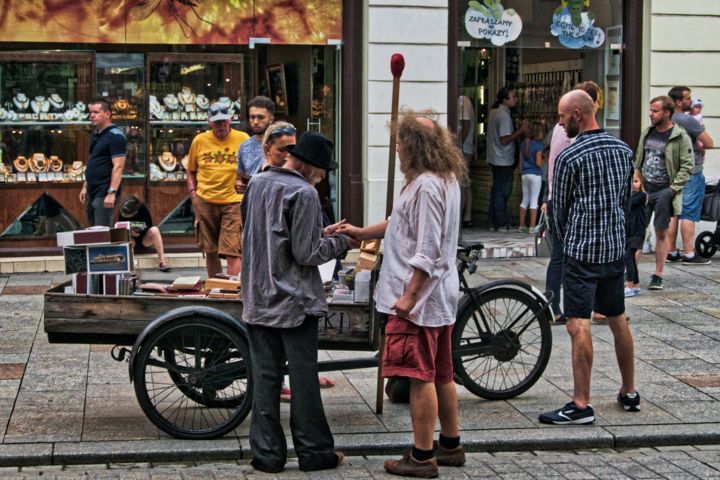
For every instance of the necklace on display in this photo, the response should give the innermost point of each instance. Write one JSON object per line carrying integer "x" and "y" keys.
{"x": 56, "y": 101}
{"x": 170, "y": 101}
{"x": 202, "y": 102}
{"x": 225, "y": 102}
{"x": 186, "y": 96}
{"x": 167, "y": 161}
{"x": 21, "y": 164}
{"x": 40, "y": 104}
{"x": 21, "y": 101}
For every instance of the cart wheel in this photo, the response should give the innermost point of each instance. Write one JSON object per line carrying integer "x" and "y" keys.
{"x": 705, "y": 245}
{"x": 502, "y": 344}
{"x": 192, "y": 378}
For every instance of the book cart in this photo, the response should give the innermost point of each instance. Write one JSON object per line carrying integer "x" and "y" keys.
{"x": 189, "y": 359}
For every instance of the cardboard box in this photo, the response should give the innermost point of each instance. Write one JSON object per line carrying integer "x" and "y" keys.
{"x": 93, "y": 236}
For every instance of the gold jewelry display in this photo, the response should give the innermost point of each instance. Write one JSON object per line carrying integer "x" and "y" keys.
{"x": 21, "y": 164}
{"x": 121, "y": 105}
{"x": 38, "y": 163}
{"x": 21, "y": 101}
{"x": 40, "y": 104}
{"x": 56, "y": 102}
{"x": 167, "y": 161}
{"x": 186, "y": 97}
{"x": 184, "y": 162}
{"x": 4, "y": 169}
{"x": 202, "y": 102}
{"x": 76, "y": 171}
{"x": 56, "y": 165}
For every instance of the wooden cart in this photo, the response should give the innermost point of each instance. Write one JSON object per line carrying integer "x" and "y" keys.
{"x": 190, "y": 360}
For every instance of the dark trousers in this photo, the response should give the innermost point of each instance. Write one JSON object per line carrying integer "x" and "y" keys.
{"x": 554, "y": 275}
{"x": 502, "y": 178}
{"x": 631, "y": 270}
{"x": 313, "y": 441}
{"x": 97, "y": 214}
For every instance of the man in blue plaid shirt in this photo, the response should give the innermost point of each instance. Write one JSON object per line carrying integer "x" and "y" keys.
{"x": 591, "y": 188}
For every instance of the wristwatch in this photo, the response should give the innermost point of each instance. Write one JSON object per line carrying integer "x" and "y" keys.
{"x": 111, "y": 190}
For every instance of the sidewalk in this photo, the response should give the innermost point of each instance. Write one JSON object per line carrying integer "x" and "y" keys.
{"x": 74, "y": 403}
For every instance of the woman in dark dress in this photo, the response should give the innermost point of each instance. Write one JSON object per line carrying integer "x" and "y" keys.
{"x": 141, "y": 228}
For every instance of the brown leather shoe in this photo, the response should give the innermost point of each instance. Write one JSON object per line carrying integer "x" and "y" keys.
{"x": 407, "y": 466}
{"x": 449, "y": 457}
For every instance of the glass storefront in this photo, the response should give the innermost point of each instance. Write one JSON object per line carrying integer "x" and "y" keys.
{"x": 160, "y": 69}
{"x": 541, "y": 48}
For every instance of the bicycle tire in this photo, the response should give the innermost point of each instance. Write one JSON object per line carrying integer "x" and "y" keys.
{"x": 192, "y": 378}
{"x": 511, "y": 364}
{"x": 705, "y": 245}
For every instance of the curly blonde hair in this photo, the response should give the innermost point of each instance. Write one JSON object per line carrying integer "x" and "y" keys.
{"x": 430, "y": 150}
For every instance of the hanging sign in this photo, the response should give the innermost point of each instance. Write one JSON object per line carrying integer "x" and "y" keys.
{"x": 491, "y": 21}
{"x": 574, "y": 27}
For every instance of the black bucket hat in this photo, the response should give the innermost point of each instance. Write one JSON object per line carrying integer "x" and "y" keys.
{"x": 314, "y": 148}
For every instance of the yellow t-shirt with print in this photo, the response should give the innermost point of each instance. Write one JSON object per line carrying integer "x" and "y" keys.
{"x": 215, "y": 164}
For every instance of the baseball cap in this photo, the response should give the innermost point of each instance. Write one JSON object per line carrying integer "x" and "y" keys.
{"x": 697, "y": 102}
{"x": 217, "y": 111}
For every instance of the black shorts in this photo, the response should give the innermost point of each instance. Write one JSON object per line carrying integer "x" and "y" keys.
{"x": 661, "y": 203}
{"x": 593, "y": 286}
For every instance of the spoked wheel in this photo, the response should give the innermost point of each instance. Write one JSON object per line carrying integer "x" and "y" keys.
{"x": 705, "y": 244}
{"x": 192, "y": 378}
{"x": 502, "y": 344}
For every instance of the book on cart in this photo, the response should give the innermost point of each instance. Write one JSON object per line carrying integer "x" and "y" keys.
{"x": 193, "y": 282}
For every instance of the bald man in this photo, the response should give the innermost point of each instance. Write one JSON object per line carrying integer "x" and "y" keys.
{"x": 591, "y": 189}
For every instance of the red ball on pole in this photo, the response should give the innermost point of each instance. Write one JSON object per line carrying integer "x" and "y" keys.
{"x": 397, "y": 65}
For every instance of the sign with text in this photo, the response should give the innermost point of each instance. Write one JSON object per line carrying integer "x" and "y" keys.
{"x": 491, "y": 21}
{"x": 575, "y": 27}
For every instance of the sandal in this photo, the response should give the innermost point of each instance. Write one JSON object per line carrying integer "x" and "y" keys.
{"x": 164, "y": 267}
{"x": 326, "y": 382}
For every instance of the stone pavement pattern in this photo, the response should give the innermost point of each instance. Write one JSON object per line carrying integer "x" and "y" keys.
{"x": 681, "y": 463}
{"x": 74, "y": 404}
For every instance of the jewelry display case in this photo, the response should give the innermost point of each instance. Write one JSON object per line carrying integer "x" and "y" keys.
{"x": 181, "y": 87}
{"x": 44, "y": 138}
{"x": 120, "y": 79}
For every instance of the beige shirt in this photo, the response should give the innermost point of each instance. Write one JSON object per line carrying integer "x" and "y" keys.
{"x": 423, "y": 233}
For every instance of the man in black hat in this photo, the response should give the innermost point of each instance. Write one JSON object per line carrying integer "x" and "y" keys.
{"x": 283, "y": 298}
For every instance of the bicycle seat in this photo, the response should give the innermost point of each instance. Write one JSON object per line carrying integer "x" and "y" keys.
{"x": 470, "y": 245}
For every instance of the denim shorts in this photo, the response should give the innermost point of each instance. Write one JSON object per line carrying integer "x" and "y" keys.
{"x": 693, "y": 194}
{"x": 660, "y": 203}
{"x": 593, "y": 286}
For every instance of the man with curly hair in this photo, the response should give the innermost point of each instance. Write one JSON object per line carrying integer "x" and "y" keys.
{"x": 418, "y": 289}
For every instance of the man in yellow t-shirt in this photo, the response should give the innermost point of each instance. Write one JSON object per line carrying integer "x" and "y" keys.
{"x": 212, "y": 170}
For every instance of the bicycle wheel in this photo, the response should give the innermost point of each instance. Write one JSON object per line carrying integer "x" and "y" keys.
{"x": 192, "y": 378}
{"x": 502, "y": 344}
{"x": 704, "y": 245}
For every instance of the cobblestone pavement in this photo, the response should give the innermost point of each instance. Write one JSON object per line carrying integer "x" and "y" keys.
{"x": 73, "y": 404}
{"x": 681, "y": 463}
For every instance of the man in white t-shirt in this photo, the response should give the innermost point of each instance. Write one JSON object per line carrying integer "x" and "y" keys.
{"x": 466, "y": 133}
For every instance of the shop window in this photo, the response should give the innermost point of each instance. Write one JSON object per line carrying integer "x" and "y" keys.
{"x": 43, "y": 218}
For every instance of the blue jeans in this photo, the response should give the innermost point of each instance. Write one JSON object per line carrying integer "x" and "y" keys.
{"x": 554, "y": 275}
{"x": 502, "y": 178}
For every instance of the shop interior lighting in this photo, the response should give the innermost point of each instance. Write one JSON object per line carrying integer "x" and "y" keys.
{"x": 257, "y": 40}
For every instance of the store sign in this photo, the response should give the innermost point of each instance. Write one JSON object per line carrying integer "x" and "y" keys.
{"x": 492, "y": 21}
{"x": 574, "y": 27}
{"x": 171, "y": 22}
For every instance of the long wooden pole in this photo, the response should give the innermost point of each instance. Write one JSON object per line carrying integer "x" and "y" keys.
{"x": 397, "y": 65}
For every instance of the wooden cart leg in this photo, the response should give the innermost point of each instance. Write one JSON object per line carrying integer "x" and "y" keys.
{"x": 379, "y": 391}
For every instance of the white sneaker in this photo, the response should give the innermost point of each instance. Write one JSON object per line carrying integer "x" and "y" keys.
{"x": 638, "y": 291}
{"x": 630, "y": 292}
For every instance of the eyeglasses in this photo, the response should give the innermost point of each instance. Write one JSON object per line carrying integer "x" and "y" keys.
{"x": 279, "y": 132}
{"x": 286, "y": 148}
{"x": 215, "y": 109}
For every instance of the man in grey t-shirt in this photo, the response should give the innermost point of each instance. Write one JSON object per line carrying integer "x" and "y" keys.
{"x": 501, "y": 137}
{"x": 694, "y": 191}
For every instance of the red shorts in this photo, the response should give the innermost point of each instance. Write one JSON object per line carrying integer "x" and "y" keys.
{"x": 418, "y": 352}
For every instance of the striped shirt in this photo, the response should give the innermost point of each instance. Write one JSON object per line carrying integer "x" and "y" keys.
{"x": 591, "y": 189}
